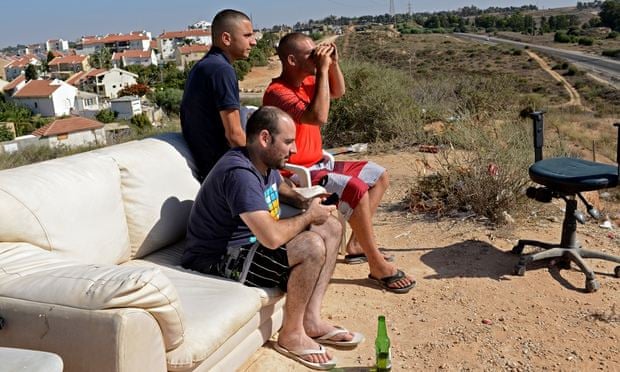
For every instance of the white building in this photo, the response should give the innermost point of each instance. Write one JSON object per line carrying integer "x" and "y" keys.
{"x": 57, "y": 44}
{"x": 87, "y": 104}
{"x": 71, "y": 132}
{"x": 134, "y": 57}
{"x": 107, "y": 83}
{"x": 138, "y": 40}
{"x": 47, "y": 97}
{"x": 169, "y": 41}
{"x": 126, "y": 107}
{"x": 18, "y": 66}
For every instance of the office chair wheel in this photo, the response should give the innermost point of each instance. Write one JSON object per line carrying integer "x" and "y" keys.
{"x": 519, "y": 270}
{"x": 517, "y": 249}
{"x": 617, "y": 271}
{"x": 592, "y": 285}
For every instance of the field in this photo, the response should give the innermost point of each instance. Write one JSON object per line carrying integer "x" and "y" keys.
{"x": 468, "y": 312}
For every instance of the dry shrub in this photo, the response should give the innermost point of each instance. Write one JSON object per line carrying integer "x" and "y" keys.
{"x": 485, "y": 174}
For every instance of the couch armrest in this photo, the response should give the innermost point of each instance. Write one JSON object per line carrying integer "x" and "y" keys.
{"x": 117, "y": 340}
{"x": 33, "y": 274}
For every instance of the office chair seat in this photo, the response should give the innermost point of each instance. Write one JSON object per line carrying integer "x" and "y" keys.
{"x": 572, "y": 175}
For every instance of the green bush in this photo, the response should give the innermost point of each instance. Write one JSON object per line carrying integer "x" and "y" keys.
{"x": 377, "y": 106}
{"x": 614, "y": 53}
{"x": 588, "y": 41}
{"x": 169, "y": 99}
{"x": 105, "y": 116}
{"x": 141, "y": 121}
{"x": 561, "y": 37}
{"x": 5, "y": 133}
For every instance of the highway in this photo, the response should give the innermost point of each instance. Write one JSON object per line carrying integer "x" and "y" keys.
{"x": 604, "y": 67}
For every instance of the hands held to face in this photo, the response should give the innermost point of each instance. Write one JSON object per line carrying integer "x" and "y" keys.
{"x": 325, "y": 55}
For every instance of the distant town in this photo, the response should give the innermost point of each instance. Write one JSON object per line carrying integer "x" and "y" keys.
{"x": 71, "y": 93}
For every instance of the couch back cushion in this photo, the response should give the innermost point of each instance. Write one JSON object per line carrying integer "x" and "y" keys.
{"x": 71, "y": 206}
{"x": 158, "y": 188}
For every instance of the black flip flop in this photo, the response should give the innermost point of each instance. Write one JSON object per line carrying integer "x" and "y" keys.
{"x": 360, "y": 258}
{"x": 387, "y": 280}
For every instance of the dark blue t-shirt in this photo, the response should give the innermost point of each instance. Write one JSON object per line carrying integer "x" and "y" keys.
{"x": 234, "y": 186}
{"x": 211, "y": 87}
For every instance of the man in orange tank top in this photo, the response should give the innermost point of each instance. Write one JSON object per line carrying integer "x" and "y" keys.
{"x": 311, "y": 77}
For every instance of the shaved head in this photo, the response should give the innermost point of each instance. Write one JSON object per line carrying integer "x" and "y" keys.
{"x": 226, "y": 21}
{"x": 289, "y": 44}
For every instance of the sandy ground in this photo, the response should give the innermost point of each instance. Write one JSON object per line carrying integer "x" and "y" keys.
{"x": 468, "y": 312}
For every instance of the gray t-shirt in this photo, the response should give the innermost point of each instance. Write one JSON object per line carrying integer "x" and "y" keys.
{"x": 234, "y": 186}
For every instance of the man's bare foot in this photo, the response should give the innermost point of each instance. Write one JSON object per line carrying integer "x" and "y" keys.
{"x": 299, "y": 342}
{"x": 323, "y": 328}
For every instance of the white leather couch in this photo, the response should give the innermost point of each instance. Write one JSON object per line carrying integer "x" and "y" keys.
{"x": 90, "y": 247}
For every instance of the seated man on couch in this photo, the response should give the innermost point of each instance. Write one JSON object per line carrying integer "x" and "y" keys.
{"x": 234, "y": 231}
{"x": 310, "y": 77}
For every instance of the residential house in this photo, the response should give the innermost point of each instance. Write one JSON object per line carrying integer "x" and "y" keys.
{"x": 47, "y": 97}
{"x": 126, "y": 107}
{"x": 18, "y": 66}
{"x": 64, "y": 67}
{"x": 70, "y": 132}
{"x": 134, "y": 57}
{"x": 3, "y": 83}
{"x": 169, "y": 41}
{"x": 190, "y": 53}
{"x": 106, "y": 83}
{"x": 15, "y": 85}
{"x": 36, "y": 49}
{"x": 3, "y": 63}
{"x": 87, "y": 104}
{"x": 137, "y": 40}
{"x": 57, "y": 44}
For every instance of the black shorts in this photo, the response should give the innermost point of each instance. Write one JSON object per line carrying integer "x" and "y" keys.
{"x": 256, "y": 266}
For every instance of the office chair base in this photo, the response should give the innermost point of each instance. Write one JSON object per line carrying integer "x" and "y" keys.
{"x": 562, "y": 258}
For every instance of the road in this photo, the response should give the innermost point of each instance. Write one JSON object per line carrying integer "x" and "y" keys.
{"x": 606, "y": 68}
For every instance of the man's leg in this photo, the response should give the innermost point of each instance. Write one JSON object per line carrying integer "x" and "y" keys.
{"x": 330, "y": 232}
{"x": 361, "y": 225}
{"x": 375, "y": 194}
{"x": 307, "y": 256}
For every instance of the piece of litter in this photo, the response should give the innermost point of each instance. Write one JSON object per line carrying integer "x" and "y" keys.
{"x": 406, "y": 233}
{"x": 607, "y": 225}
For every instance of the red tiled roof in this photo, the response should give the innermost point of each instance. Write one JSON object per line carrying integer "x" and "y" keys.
{"x": 194, "y": 48}
{"x": 115, "y": 39}
{"x": 184, "y": 33}
{"x": 37, "y": 88}
{"x": 57, "y": 53}
{"x": 133, "y": 54}
{"x": 22, "y": 61}
{"x": 153, "y": 44}
{"x": 68, "y": 125}
{"x": 75, "y": 78}
{"x": 68, "y": 60}
{"x": 13, "y": 84}
{"x": 96, "y": 71}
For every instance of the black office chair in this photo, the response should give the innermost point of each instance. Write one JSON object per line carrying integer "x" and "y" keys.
{"x": 566, "y": 178}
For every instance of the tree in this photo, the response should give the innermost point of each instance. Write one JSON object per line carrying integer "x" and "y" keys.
{"x": 134, "y": 90}
{"x": 610, "y": 14}
{"x": 32, "y": 73}
{"x": 101, "y": 59}
{"x": 169, "y": 99}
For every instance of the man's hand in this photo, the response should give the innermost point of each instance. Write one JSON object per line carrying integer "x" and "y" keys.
{"x": 323, "y": 56}
{"x": 334, "y": 55}
{"x": 318, "y": 212}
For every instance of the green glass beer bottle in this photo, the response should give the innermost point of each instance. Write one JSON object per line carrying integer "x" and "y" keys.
{"x": 382, "y": 347}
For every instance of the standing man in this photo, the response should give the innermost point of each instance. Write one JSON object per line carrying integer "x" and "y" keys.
{"x": 311, "y": 77}
{"x": 210, "y": 118}
{"x": 234, "y": 231}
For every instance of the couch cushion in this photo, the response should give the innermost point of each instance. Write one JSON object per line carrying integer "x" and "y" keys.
{"x": 30, "y": 273}
{"x": 158, "y": 189}
{"x": 214, "y": 310}
{"x": 72, "y": 206}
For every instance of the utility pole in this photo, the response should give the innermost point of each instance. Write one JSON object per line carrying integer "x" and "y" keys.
{"x": 409, "y": 8}
{"x": 391, "y": 7}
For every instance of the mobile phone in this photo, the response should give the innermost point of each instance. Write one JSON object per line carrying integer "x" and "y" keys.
{"x": 331, "y": 200}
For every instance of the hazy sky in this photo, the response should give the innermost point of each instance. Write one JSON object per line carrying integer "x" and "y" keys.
{"x": 39, "y": 20}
